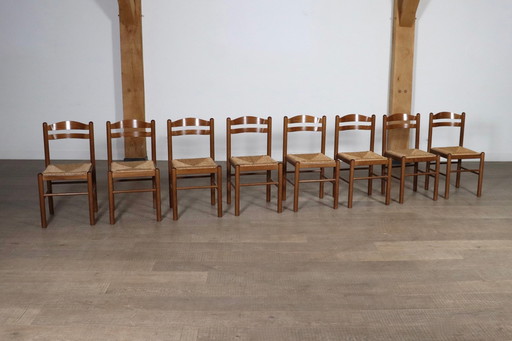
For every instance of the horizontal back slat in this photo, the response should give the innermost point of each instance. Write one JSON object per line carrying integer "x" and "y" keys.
{"x": 68, "y": 136}
{"x": 304, "y": 119}
{"x": 68, "y": 125}
{"x": 305, "y": 128}
{"x": 130, "y": 134}
{"x": 124, "y": 124}
{"x": 446, "y": 124}
{"x": 190, "y": 122}
{"x": 355, "y": 118}
{"x": 401, "y": 125}
{"x": 191, "y": 132}
{"x": 248, "y": 120}
{"x": 355, "y": 127}
{"x": 447, "y": 116}
{"x": 249, "y": 130}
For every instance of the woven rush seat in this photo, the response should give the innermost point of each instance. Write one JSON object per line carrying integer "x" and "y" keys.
{"x": 129, "y": 166}
{"x": 204, "y": 162}
{"x": 409, "y": 153}
{"x": 256, "y": 160}
{"x": 362, "y": 156}
{"x": 310, "y": 158}
{"x": 67, "y": 169}
{"x": 455, "y": 151}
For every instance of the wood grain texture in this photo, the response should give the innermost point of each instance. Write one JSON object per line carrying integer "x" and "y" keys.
{"x": 373, "y": 272}
{"x": 132, "y": 72}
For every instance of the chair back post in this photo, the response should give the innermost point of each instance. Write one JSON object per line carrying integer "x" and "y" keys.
{"x": 169, "y": 143}
{"x": 269, "y": 136}
{"x": 430, "y": 131}
{"x": 46, "y": 145}
{"x": 416, "y": 126}
{"x": 285, "y": 137}
{"x": 153, "y": 141}
{"x": 323, "y": 120}
{"x": 384, "y": 133}
{"x": 462, "y": 127}
{"x": 336, "y": 135}
{"x": 109, "y": 144}
{"x": 212, "y": 138}
{"x": 228, "y": 142}
{"x": 92, "y": 152}
{"x": 372, "y": 132}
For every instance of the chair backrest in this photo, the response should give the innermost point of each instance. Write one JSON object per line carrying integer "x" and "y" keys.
{"x": 354, "y": 122}
{"x": 446, "y": 119}
{"x": 190, "y": 126}
{"x": 400, "y": 121}
{"x": 131, "y": 129}
{"x": 304, "y": 123}
{"x": 248, "y": 124}
{"x": 68, "y": 130}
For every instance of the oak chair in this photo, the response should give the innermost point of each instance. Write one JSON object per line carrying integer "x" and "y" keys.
{"x": 362, "y": 160}
{"x": 121, "y": 171}
{"x": 308, "y": 162}
{"x": 67, "y": 173}
{"x": 454, "y": 153}
{"x": 409, "y": 156}
{"x": 261, "y": 164}
{"x": 191, "y": 168}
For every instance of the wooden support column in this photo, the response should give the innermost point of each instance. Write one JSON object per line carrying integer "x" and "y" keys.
{"x": 400, "y": 97}
{"x": 132, "y": 72}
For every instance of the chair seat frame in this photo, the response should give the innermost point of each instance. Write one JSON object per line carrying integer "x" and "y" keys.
{"x": 308, "y": 123}
{"x": 67, "y": 130}
{"x": 352, "y": 122}
{"x": 450, "y": 119}
{"x": 193, "y": 126}
{"x": 245, "y": 125}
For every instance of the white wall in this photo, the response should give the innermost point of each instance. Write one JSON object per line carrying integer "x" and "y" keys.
{"x": 220, "y": 58}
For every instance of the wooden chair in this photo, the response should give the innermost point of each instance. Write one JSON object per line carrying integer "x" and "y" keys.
{"x": 121, "y": 171}
{"x": 454, "y": 153}
{"x": 308, "y": 162}
{"x": 253, "y": 164}
{"x": 363, "y": 160}
{"x": 409, "y": 156}
{"x": 195, "y": 167}
{"x": 67, "y": 173}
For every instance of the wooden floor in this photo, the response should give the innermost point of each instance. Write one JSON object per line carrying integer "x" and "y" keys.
{"x": 423, "y": 270}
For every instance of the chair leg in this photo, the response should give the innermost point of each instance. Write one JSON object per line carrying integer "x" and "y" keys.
{"x": 383, "y": 181}
{"x": 370, "y": 180}
{"x": 49, "y": 190}
{"x": 170, "y": 189}
{"x": 350, "y": 183}
{"x": 415, "y": 179}
{"x": 402, "y": 181}
{"x": 212, "y": 190}
{"x": 90, "y": 196}
{"x": 95, "y": 190}
{"x": 388, "y": 181}
{"x": 296, "y": 187}
{"x": 158, "y": 198}
{"x": 153, "y": 185}
{"x": 459, "y": 168}
{"x": 237, "y": 190}
{"x": 447, "y": 176}
{"x": 321, "y": 190}
{"x": 284, "y": 180}
{"x": 269, "y": 178}
{"x": 228, "y": 184}
{"x": 280, "y": 187}
{"x": 111, "y": 204}
{"x": 42, "y": 207}
{"x": 436, "y": 178}
{"x": 174, "y": 184}
{"x": 480, "y": 175}
{"x": 427, "y": 176}
{"x": 219, "y": 191}
{"x": 336, "y": 193}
